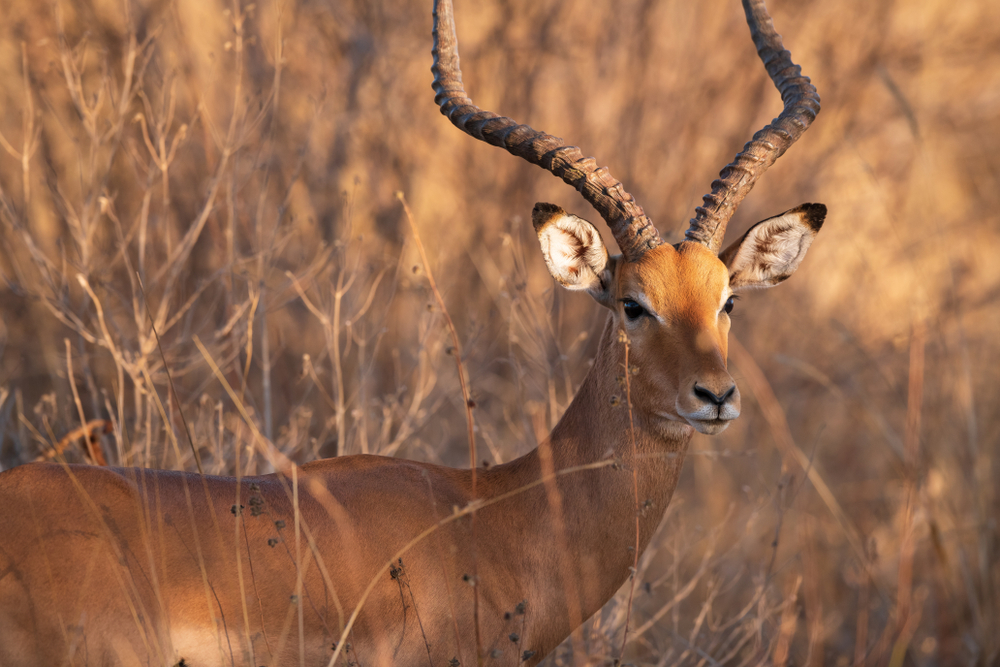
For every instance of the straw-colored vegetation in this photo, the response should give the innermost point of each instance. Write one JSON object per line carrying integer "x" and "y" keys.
{"x": 243, "y": 160}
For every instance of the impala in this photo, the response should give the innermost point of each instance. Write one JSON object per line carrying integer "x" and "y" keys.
{"x": 367, "y": 560}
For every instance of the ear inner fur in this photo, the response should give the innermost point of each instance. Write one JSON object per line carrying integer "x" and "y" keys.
{"x": 572, "y": 247}
{"x": 772, "y": 249}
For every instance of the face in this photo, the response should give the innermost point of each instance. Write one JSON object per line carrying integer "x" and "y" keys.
{"x": 673, "y": 305}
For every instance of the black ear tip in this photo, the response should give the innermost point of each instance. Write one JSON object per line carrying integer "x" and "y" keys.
{"x": 543, "y": 213}
{"x": 815, "y": 214}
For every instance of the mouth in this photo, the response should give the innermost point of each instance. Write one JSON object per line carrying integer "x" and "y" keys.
{"x": 706, "y": 426}
{"x": 710, "y": 426}
{"x": 710, "y": 419}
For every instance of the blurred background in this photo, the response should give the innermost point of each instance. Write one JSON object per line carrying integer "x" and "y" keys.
{"x": 243, "y": 160}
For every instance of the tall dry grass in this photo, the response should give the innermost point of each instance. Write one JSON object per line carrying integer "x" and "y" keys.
{"x": 242, "y": 160}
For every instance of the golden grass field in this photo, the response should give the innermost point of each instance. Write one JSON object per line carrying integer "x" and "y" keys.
{"x": 244, "y": 160}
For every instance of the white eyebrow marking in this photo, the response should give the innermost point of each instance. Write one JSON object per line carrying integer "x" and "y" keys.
{"x": 726, "y": 293}
{"x": 650, "y": 310}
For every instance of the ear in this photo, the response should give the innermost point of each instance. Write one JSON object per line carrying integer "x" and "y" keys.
{"x": 573, "y": 250}
{"x": 772, "y": 249}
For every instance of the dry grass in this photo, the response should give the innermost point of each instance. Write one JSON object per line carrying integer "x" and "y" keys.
{"x": 243, "y": 160}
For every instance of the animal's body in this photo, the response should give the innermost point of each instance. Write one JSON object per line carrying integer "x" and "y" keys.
{"x": 164, "y": 554}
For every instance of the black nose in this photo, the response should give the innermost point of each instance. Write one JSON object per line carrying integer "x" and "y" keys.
{"x": 711, "y": 397}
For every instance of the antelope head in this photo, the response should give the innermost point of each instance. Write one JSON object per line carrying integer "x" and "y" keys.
{"x": 671, "y": 301}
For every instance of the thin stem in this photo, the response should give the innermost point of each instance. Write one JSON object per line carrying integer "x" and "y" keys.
{"x": 635, "y": 490}
{"x": 170, "y": 381}
{"x": 457, "y": 347}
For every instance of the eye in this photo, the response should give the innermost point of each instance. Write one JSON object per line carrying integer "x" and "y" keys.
{"x": 632, "y": 309}
{"x": 730, "y": 302}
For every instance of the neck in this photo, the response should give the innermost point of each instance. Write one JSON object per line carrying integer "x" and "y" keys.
{"x": 601, "y": 424}
{"x": 595, "y": 521}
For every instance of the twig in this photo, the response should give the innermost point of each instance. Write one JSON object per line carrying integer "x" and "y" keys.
{"x": 905, "y": 618}
{"x": 623, "y": 337}
{"x": 170, "y": 380}
{"x": 457, "y": 350}
{"x": 775, "y": 416}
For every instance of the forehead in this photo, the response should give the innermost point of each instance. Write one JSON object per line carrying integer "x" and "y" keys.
{"x": 685, "y": 274}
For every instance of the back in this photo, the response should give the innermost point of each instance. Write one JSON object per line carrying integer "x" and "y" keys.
{"x": 135, "y": 566}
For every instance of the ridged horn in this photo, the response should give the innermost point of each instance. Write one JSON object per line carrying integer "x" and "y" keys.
{"x": 738, "y": 177}
{"x": 631, "y": 228}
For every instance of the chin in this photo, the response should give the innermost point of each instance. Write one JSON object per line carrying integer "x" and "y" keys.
{"x": 711, "y": 426}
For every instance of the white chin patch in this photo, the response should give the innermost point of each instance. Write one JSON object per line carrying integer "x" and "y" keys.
{"x": 710, "y": 427}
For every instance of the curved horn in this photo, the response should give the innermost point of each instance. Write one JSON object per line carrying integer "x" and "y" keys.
{"x": 801, "y": 106}
{"x": 631, "y": 228}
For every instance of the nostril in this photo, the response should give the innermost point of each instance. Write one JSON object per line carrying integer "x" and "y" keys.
{"x": 710, "y": 396}
{"x": 706, "y": 395}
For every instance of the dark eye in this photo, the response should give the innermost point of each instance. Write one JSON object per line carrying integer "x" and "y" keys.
{"x": 632, "y": 309}
{"x": 730, "y": 302}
